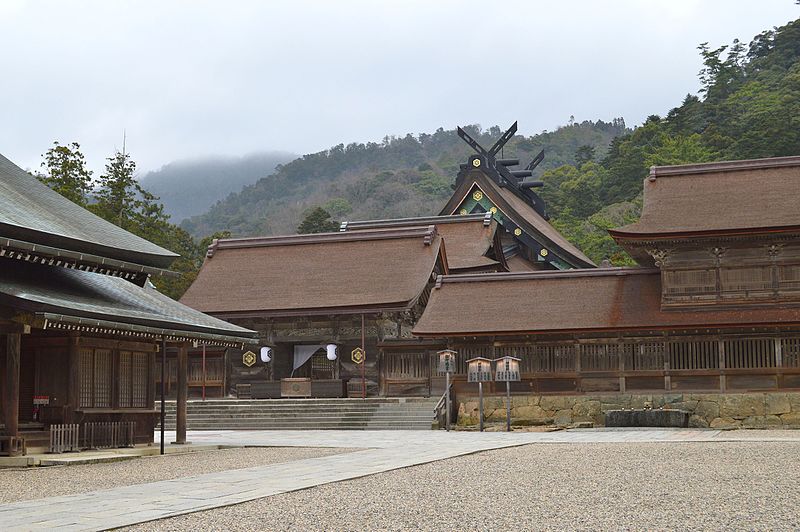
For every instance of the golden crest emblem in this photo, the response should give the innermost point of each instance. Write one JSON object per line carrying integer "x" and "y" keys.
{"x": 476, "y": 162}
{"x": 517, "y": 231}
{"x": 477, "y": 195}
{"x": 249, "y": 358}
{"x": 543, "y": 252}
{"x": 357, "y": 355}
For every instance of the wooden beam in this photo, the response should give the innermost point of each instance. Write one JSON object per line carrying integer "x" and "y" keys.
{"x": 12, "y": 384}
{"x": 183, "y": 391}
{"x": 74, "y": 379}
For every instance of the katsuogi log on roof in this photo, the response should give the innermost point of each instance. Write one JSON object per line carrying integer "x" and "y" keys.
{"x": 472, "y": 241}
{"x": 327, "y": 273}
{"x": 750, "y": 196}
{"x": 40, "y": 225}
{"x": 612, "y": 299}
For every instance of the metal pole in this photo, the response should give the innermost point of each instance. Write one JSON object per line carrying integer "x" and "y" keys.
{"x": 163, "y": 388}
{"x": 508, "y": 406}
{"x": 447, "y": 399}
{"x": 363, "y": 363}
{"x": 480, "y": 406}
{"x": 204, "y": 372}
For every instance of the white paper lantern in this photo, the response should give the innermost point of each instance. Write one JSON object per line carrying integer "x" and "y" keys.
{"x": 266, "y": 354}
{"x": 331, "y": 348}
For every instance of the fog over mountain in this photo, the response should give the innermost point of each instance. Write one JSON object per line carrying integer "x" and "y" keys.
{"x": 190, "y": 187}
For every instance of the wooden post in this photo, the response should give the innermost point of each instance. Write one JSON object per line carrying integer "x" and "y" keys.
{"x": 12, "y": 384}
{"x": 723, "y": 380}
{"x": 163, "y": 349}
{"x": 183, "y": 390}
{"x": 204, "y": 372}
{"x": 74, "y": 383}
{"x": 363, "y": 363}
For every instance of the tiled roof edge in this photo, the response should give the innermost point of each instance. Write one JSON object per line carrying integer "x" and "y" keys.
{"x": 544, "y": 274}
{"x": 486, "y": 218}
{"x": 426, "y": 233}
{"x": 724, "y": 166}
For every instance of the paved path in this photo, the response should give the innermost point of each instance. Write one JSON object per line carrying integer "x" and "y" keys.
{"x": 382, "y": 451}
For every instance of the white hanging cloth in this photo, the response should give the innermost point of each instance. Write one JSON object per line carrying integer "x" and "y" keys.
{"x": 303, "y": 352}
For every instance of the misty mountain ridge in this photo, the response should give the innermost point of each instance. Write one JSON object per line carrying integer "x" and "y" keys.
{"x": 397, "y": 177}
{"x": 189, "y": 187}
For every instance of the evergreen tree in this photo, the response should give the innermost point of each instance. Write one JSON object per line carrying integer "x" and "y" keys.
{"x": 66, "y": 173}
{"x": 317, "y": 220}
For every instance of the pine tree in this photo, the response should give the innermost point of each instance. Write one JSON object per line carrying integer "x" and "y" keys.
{"x": 318, "y": 220}
{"x": 66, "y": 173}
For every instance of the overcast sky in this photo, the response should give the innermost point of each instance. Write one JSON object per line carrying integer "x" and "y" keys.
{"x": 197, "y": 78}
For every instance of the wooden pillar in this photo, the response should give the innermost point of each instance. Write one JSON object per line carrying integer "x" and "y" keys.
{"x": 183, "y": 392}
{"x": 74, "y": 379}
{"x": 12, "y": 384}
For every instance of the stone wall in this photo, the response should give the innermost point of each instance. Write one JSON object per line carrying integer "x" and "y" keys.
{"x": 719, "y": 411}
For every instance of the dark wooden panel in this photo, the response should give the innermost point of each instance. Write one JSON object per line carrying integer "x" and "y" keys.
{"x": 644, "y": 383}
{"x": 555, "y": 385}
{"x": 600, "y": 385}
{"x": 752, "y": 382}
{"x": 328, "y": 388}
{"x": 695, "y": 382}
{"x": 790, "y": 381}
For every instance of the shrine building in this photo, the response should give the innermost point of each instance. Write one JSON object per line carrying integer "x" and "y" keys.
{"x": 81, "y": 327}
{"x": 708, "y": 322}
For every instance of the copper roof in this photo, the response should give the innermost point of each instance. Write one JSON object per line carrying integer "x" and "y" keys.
{"x": 722, "y": 197}
{"x": 522, "y": 214}
{"x": 35, "y": 215}
{"x": 77, "y": 299}
{"x": 468, "y": 238}
{"x": 327, "y": 273}
{"x": 570, "y": 301}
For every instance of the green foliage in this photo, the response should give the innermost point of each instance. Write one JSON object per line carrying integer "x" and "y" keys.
{"x": 400, "y": 176}
{"x": 338, "y": 207}
{"x": 584, "y": 154}
{"x": 317, "y": 220}
{"x": 66, "y": 173}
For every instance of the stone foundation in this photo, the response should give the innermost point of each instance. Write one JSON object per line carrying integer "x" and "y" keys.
{"x": 718, "y": 411}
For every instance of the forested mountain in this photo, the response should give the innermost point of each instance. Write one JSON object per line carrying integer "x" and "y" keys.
{"x": 188, "y": 188}
{"x": 748, "y": 107}
{"x": 405, "y": 176}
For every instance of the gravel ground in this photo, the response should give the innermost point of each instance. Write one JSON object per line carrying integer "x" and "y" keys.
{"x": 638, "y": 486}
{"x": 39, "y": 482}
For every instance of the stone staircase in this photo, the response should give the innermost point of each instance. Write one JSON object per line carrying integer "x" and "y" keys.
{"x": 306, "y": 414}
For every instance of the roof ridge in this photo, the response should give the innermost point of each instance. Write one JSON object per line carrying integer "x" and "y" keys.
{"x": 545, "y": 274}
{"x": 421, "y": 220}
{"x": 427, "y": 233}
{"x": 724, "y": 166}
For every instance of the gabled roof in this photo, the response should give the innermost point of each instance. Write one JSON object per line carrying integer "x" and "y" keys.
{"x": 693, "y": 200}
{"x": 328, "y": 273}
{"x": 571, "y": 301}
{"x": 468, "y": 238}
{"x": 520, "y": 213}
{"x": 62, "y": 298}
{"x": 38, "y": 220}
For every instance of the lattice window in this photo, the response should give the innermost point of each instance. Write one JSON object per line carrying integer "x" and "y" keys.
{"x": 750, "y": 353}
{"x": 406, "y": 365}
{"x": 789, "y": 277}
{"x": 87, "y": 376}
{"x": 688, "y": 354}
{"x": 757, "y": 278}
{"x": 600, "y": 357}
{"x": 124, "y": 387}
{"x": 139, "y": 378}
{"x": 646, "y": 356}
{"x": 557, "y": 358}
{"x": 790, "y": 351}
{"x": 102, "y": 378}
{"x": 688, "y": 282}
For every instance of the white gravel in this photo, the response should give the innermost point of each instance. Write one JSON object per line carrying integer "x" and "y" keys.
{"x": 39, "y": 482}
{"x": 620, "y": 486}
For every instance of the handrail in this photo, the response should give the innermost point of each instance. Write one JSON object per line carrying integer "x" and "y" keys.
{"x": 437, "y": 410}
